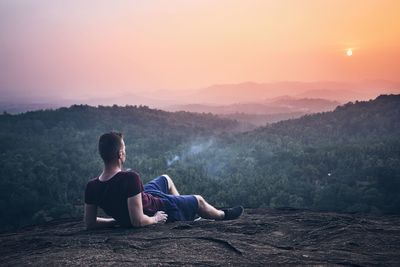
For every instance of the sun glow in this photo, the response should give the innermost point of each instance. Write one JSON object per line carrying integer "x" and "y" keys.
{"x": 349, "y": 52}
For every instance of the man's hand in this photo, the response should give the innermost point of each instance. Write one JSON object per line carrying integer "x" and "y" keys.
{"x": 160, "y": 217}
{"x": 138, "y": 218}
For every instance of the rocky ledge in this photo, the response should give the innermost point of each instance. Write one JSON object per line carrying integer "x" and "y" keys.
{"x": 259, "y": 237}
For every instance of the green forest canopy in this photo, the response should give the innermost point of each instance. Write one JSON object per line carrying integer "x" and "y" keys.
{"x": 346, "y": 160}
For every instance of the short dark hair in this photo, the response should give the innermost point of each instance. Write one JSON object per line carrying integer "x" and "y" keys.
{"x": 109, "y": 146}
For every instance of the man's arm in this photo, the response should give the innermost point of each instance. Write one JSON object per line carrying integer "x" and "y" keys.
{"x": 136, "y": 215}
{"x": 94, "y": 222}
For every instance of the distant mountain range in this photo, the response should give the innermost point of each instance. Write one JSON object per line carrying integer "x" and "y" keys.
{"x": 337, "y": 91}
{"x": 247, "y": 97}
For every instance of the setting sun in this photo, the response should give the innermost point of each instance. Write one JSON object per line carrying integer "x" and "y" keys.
{"x": 349, "y": 52}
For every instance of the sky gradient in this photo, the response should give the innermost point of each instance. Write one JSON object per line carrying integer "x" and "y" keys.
{"x": 97, "y": 48}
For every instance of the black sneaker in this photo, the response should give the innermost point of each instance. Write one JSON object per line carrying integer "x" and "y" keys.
{"x": 233, "y": 213}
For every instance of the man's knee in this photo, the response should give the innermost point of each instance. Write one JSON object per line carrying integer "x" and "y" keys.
{"x": 169, "y": 180}
{"x": 200, "y": 200}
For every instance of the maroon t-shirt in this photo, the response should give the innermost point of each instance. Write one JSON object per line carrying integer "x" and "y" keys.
{"x": 111, "y": 196}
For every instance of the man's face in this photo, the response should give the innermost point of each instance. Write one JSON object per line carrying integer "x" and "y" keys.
{"x": 122, "y": 153}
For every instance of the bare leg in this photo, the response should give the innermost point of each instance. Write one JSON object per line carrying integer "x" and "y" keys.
{"x": 171, "y": 186}
{"x": 207, "y": 211}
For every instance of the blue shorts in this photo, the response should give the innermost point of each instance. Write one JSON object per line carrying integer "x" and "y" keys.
{"x": 178, "y": 208}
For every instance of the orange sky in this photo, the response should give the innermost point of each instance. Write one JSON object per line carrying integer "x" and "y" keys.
{"x": 89, "y": 47}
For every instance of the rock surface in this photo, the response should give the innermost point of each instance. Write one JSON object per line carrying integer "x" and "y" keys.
{"x": 259, "y": 237}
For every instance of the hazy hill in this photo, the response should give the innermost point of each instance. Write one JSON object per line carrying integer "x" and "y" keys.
{"x": 20, "y": 107}
{"x": 252, "y": 121}
{"x": 358, "y": 120}
{"x": 272, "y": 106}
{"x": 309, "y": 105}
{"x": 252, "y": 92}
{"x": 263, "y": 112}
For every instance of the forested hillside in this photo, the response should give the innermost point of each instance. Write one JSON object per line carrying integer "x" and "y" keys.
{"x": 345, "y": 160}
{"x": 48, "y": 156}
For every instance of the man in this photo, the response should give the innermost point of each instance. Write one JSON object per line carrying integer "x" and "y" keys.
{"x": 122, "y": 196}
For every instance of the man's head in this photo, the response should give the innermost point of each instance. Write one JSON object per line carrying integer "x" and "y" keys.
{"x": 112, "y": 148}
